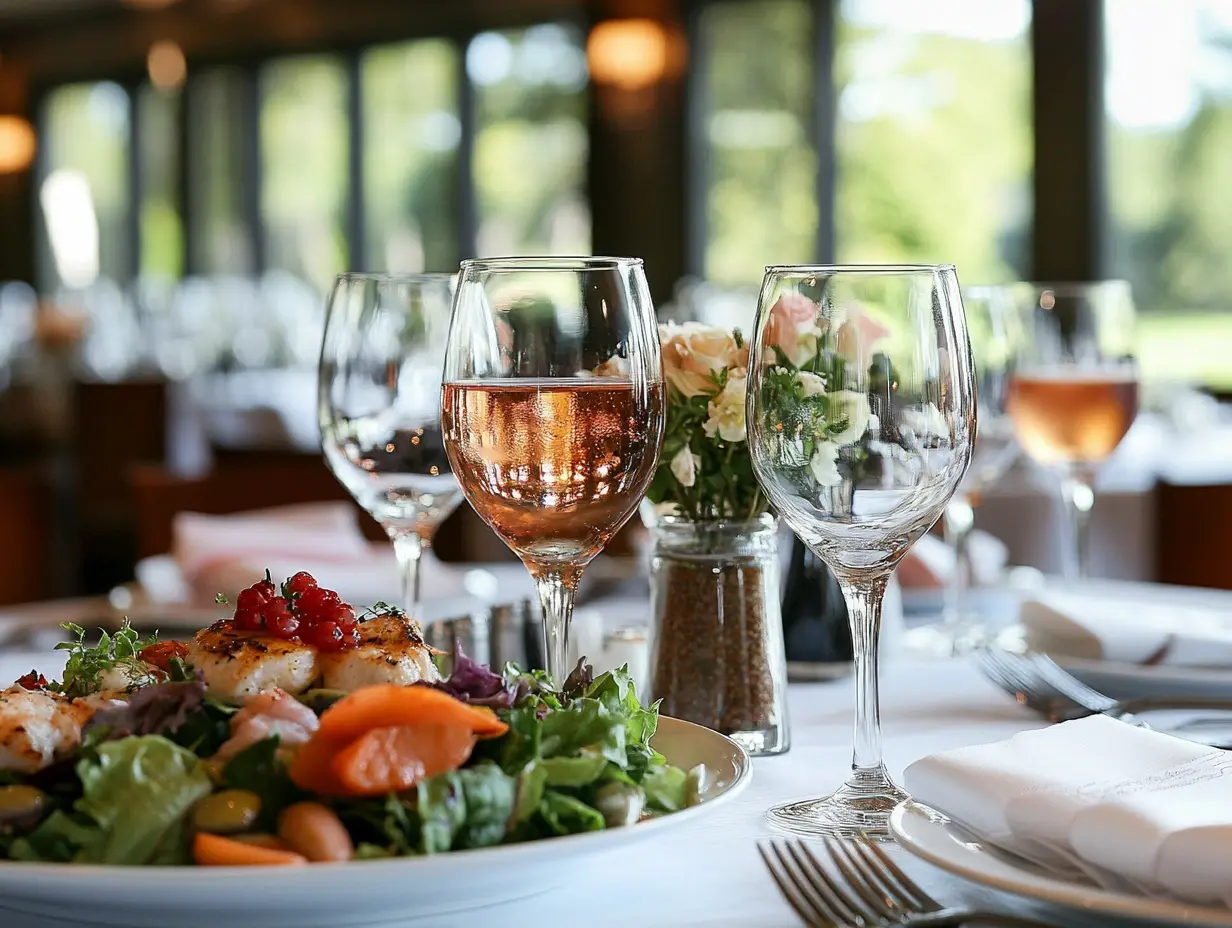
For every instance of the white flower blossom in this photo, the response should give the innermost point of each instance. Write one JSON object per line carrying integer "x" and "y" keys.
{"x": 684, "y": 466}
{"x": 812, "y": 384}
{"x": 823, "y": 465}
{"x": 926, "y": 422}
{"x": 727, "y": 409}
{"x": 850, "y": 408}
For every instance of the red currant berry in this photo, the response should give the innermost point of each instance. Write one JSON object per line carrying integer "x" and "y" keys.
{"x": 266, "y": 588}
{"x": 316, "y": 603}
{"x": 325, "y": 635}
{"x": 274, "y": 611}
{"x": 353, "y": 638}
{"x": 246, "y": 621}
{"x": 249, "y": 600}
{"x": 283, "y": 625}
{"x": 301, "y": 583}
{"x": 344, "y": 615}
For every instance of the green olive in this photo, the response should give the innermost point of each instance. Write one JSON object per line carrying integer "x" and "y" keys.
{"x": 21, "y": 806}
{"x": 227, "y": 813}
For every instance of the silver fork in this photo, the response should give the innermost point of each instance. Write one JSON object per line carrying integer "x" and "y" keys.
{"x": 862, "y": 886}
{"x": 1039, "y": 683}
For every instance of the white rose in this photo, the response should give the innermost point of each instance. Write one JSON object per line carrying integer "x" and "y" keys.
{"x": 824, "y": 464}
{"x": 727, "y": 409}
{"x": 928, "y": 421}
{"x": 851, "y": 409}
{"x": 812, "y": 384}
{"x": 684, "y": 466}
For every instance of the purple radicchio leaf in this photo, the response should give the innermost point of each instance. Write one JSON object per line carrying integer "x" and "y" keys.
{"x": 161, "y": 709}
{"x": 472, "y": 682}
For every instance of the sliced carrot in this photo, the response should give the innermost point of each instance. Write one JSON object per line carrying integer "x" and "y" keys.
{"x": 384, "y": 760}
{"x": 389, "y": 706}
{"x": 216, "y": 851}
{"x": 312, "y": 768}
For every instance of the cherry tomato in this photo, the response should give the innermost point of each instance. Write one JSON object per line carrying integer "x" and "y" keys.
{"x": 161, "y": 652}
{"x": 33, "y": 681}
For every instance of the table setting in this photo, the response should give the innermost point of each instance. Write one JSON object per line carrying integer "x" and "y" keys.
{"x": 505, "y": 741}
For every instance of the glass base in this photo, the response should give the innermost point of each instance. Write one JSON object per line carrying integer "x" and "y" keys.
{"x": 861, "y": 806}
{"x": 946, "y": 639}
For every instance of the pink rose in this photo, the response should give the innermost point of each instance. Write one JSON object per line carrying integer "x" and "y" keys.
{"x": 793, "y": 327}
{"x": 692, "y": 352}
{"x": 857, "y": 336}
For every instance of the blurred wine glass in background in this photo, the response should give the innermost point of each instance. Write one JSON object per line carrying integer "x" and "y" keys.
{"x": 996, "y": 332}
{"x": 1073, "y": 393}
{"x": 379, "y": 407}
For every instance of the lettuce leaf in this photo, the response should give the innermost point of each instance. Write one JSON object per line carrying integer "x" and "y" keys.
{"x": 665, "y": 788}
{"x": 137, "y": 792}
{"x": 568, "y": 815}
{"x": 471, "y": 807}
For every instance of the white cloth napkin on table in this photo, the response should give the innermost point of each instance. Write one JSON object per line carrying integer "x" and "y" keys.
{"x": 1097, "y": 627}
{"x": 225, "y": 553}
{"x": 1130, "y": 809}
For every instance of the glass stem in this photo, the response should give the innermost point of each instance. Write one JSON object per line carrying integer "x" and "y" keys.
{"x": 863, "y": 598}
{"x": 959, "y": 520}
{"x": 557, "y": 589}
{"x": 409, "y": 549}
{"x": 1076, "y": 488}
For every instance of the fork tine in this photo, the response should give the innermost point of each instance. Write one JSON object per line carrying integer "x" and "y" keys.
{"x": 878, "y": 881}
{"x": 992, "y": 668}
{"x": 888, "y": 869}
{"x": 1067, "y": 684}
{"x": 801, "y": 905}
{"x": 871, "y": 894}
{"x": 838, "y": 902}
{"x": 1032, "y": 690}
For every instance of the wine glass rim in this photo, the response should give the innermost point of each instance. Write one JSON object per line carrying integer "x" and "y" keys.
{"x": 549, "y": 263}
{"x": 858, "y": 268}
{"x": 397, "y": 277}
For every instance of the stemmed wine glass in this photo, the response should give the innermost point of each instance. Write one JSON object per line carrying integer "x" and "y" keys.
{"x": 860, "y": 450}
{"x": 996, "y": 334}
{"x": 553, "y": 412}
{"x": 1074, "y": 391}
{"x": 378, "y": 398}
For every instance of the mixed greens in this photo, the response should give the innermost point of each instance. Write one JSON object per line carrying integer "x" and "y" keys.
{"x": 572, "y": 760}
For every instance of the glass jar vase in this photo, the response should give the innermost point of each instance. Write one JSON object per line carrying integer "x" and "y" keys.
{"x": 717, "y": 645}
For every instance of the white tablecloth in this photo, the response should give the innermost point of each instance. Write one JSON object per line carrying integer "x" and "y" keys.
{"x": 710, "y": 873}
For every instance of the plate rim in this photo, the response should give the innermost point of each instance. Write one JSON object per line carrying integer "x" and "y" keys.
{"x": 1038, "y": 886}
{"x": 94, "y": 874}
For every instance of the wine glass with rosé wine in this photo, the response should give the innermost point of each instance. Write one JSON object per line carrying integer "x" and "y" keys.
{"x": 1074, "y": 391}
{"x": 553, "y": 412}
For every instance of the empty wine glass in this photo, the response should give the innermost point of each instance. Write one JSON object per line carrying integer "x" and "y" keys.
{"x": 1074, "y": 391}
{"x": 379, "y": 407}
{"x": 553, "y": 412}
{"x": 861, "y": 421}
{"x": 995, "y": 333}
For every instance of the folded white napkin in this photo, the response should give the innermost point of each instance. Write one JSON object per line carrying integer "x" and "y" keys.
{"x": 1131, "y": 809}
{"x": 930, "y": 562}
{"x": 224, "y": 554}
{"x": 1096, "y": 627}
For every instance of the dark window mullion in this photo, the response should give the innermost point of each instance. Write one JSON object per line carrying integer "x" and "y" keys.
{"x": 252, "y": 168}
{"x": 825, "y": 116}
{"x": 468, "y": 214}
{"x": 358, "y": 258}
{"x": 698, "y": 173}
{"x": 136, "y": 185}
{"x": 189, "y": 166}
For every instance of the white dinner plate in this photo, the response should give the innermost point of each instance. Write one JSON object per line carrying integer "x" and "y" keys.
{"x": 932, "y": 837}
{"x": 360, "y": 893}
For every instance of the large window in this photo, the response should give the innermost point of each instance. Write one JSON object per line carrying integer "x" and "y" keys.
{"x": 758, "y": 90}
{"x": 933, "y": 134}
{"x": 84, "y": 191}
{"x": 400, "y": 156}
{"x": 305, "y": 144}
{"x": 530, "y": 144}
{"x": 412, "y": 136}
{"x": 1168, "y": 93}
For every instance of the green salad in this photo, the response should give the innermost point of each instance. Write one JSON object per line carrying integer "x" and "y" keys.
{"x": 161, "y": 776}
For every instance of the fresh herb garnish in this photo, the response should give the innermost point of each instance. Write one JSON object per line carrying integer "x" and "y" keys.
{"x": 222, "y": 600}
{"x": 86, "y": 665}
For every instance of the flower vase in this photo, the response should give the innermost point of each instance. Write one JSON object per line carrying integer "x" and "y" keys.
{"x": 717, "y": 649}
